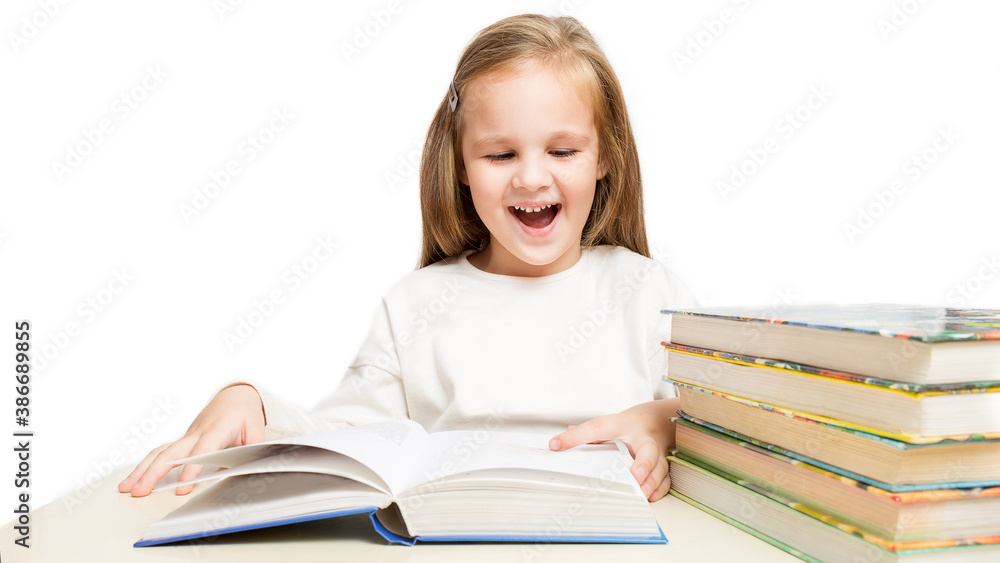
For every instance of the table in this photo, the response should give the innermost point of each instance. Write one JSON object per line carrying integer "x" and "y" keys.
{"x": 104, "y": 526}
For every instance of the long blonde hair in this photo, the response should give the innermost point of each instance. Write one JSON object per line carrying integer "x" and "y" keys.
{"x": 450, "y": 222}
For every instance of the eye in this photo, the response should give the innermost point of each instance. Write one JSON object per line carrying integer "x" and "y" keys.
{"x": 499, "y": 157}
{"x": 564, "y": 153}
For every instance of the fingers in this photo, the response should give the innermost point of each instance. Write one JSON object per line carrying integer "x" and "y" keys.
{"x": 234, "y": 416}
{"x": 595, "y": 430}
{"x": 664, "y": 487}
{"x": 189, "y": 472}
{"x": 654, "y": 482}
{"x": 647, "y": 454}
{"x": 159, "y": 466}
{"x": 662, "y": 490}
{"x": 129, "y": 482}
{"x": 204, "y": 445}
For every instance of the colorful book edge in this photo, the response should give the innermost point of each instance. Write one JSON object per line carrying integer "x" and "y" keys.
{"x": 901, "y": 548}
{"x": 924, "y": 324}
{"x": 835, "y": 469}
{"x": 916, "y": 390}
{"x": 752, "y": 531}
{"x": 898, "y": 441}
{"x": 895, "y": 493}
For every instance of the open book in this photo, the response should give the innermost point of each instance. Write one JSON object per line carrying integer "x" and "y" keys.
{"x": 445, "y": 486}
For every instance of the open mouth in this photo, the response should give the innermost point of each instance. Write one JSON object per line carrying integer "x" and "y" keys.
{"x": 536, "y": 219}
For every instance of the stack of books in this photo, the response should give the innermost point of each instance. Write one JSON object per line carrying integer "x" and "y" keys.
{"x": 843, "y": 433}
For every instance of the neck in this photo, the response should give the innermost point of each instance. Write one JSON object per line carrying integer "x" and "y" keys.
{"x": 495, "y": 259}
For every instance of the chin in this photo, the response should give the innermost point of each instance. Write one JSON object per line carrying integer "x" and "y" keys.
{"x": 541, "y": 256}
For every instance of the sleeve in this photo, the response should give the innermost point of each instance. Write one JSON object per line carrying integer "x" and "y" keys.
{"x": 371, "y": 390}
{"x": 668, "y": 292}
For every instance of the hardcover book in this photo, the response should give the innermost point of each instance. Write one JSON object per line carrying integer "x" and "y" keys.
{"x": 801, "y": 530}
{"x": 896, "y": 408}
{"x": 896, "y": 460}
{"x": 931, "y": 513}
{"x": 924, "y": 345}
{"x": 444, "y": 486}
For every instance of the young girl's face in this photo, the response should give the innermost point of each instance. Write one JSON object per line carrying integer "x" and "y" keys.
{"x": 529, "y": 141}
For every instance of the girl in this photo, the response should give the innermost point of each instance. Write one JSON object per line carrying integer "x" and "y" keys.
{"x": 535, "y": 304}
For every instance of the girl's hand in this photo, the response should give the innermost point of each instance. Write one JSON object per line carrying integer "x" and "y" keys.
{"x": 647, "y": 431}
{"x": 234, "y": 417}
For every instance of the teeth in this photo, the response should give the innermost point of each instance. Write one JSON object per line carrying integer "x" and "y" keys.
{"x": 535, "y": 210}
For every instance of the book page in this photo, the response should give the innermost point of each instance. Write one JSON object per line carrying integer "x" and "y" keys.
{"x": 248, "y": 501}
{"x": 456, "y": 452}
{"x": 306, "y": 459}
{"x": 384, "y": 447}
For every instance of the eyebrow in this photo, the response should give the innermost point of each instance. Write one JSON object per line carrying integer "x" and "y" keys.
{"x": 505, "y": 140}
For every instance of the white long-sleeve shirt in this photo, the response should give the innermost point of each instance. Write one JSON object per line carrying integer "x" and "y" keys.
{"x": 453, "y": 347}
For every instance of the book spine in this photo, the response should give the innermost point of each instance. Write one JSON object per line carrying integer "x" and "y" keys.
{"x": 390, "y": 536}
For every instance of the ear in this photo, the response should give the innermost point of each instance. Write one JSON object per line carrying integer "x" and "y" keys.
{"x": 463, "y": 176}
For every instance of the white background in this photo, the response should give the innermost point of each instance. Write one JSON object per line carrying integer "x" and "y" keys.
{"x": 155, "y": 348}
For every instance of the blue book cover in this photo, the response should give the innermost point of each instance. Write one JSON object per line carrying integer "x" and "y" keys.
{"x": 393, "y": 537}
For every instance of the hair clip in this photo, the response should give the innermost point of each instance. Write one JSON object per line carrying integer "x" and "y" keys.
{"x": 453, "y": 99}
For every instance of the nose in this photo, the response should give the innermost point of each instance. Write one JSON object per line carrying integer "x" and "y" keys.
{"x": 532, "y": 173}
